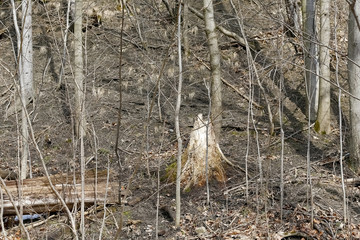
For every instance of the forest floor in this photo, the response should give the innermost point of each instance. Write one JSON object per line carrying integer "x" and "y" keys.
{"x": 237, "y": 210}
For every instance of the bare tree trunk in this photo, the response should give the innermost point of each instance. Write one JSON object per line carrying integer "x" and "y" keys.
{"x": 27, "y": 52}
{"x": 216, "y": 84}
{"x": 281, "y": 108}
{"x": 120, "y": 84}
{"x": 323, "y": 118}
{"x": 312, "y": 84}
{"x": 25, "y": 152}
{"x": 80, "y": 103}
{"x": 340, "y": 116}
{"x": 354, "y": 82}
{"x": 69, "y": 16}
{"x": 158, "y": 184}
{"x": 203, "y": 142}
{"x": 293, "y": 14}
{"x": 79, "y": 67}
{"x": 26, "y": 80}
{"x": 185, "y": 29}
{"x": 177, "y": 126}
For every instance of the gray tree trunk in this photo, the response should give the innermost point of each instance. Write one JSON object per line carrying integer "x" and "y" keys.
{"x": 26, "y": 81}
{"x": 27, "y": 52}
{"x": 354, "y": 82}
{"x": 293, "y": 14}
{"x": 177, "y": 127}
{"x": 323, "y": 118}
{"x": 79, "y": 66}
{"x": 216, "y": 84}
{"x": 80, "y": 103}
{"x": 203, "y": 155}
{"x": 186, "y": 29}
{"x": 312, "y": 84}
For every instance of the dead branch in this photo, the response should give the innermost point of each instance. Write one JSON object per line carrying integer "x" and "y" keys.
{"x": 39, "y": 197}
{"x": 352, "y": 181}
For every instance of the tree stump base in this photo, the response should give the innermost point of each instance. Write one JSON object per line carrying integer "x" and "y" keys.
{"x": 194, "y": 170}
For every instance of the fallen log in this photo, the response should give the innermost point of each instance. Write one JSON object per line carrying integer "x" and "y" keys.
{"x": 355, "y": 182}
{"x": 38, "y": 197}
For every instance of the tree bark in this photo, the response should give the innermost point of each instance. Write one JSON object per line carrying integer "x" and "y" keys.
{"x": 216, "y": 84}
{"x": 80, "y": 103}
{"x": 177, "y": 126}
{"x": 186, "y": 29}
{"x": 293, "y": 14}
{"x": 323, "y": 118}
{"x": 354, "y": 82}
{"x": 79, "y": 67}
{"x": 194, "y": 171}
{"x": 27, "y": 52}
{"x": 312, "y": 83}
{"x": 39, "y": 198}
{"x": 26, "y": 81}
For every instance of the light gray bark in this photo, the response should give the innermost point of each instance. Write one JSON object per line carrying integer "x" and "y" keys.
{"x": 26, "y": 80}
{"x": 177, "y": 127}
{"x": 311, "y": 78}
{"x": 27, "y": 52}
{"x": 80, "y": 102}
{"x": 323, "y": 118}
{"x": 216, "y": 84}
{"x": 79, "y": 66}
{"x": 345, "y": 211}
{"x": 354, "y": 82}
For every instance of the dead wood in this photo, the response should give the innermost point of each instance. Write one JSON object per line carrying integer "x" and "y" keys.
{"x": 38, "y": 197}
{"x": 194, "y": 172}
{"x": 352, "y": 181}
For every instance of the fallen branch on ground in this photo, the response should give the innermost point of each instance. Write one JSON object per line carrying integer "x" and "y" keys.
{"x": 38, "y": 197}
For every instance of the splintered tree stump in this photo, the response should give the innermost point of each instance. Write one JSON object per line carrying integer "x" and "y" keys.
{"x": 194, "y": 170}
{"x": 38, "y": 197}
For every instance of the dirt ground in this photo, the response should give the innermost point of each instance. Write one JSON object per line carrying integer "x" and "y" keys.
{"x": 149, "y": 42}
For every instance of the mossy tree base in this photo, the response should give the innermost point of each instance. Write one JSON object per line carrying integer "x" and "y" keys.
{"x": 194, "y": 157}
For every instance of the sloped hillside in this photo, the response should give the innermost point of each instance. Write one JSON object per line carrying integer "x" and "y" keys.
{"x": 239, "y": 209}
